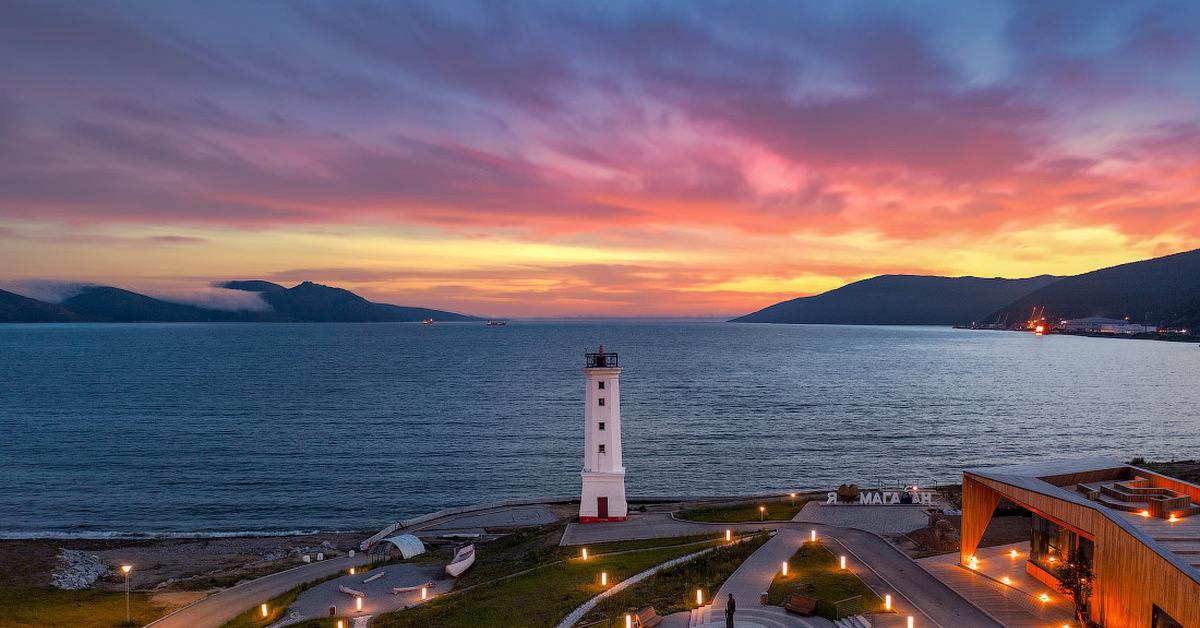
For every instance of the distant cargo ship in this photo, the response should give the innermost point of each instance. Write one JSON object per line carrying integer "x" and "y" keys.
{"x": 497, "y": 323}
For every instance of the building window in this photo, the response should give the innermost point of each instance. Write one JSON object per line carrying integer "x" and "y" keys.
{"x": 602, "y": 401}
{"x": 601, "y": 385}
{"x": 602, "y": 449}
{"x": 1162, "y": 620}
{"x": 602, "y": 426}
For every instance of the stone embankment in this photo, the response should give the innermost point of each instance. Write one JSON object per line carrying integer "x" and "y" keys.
{"x": 77, "y": 570}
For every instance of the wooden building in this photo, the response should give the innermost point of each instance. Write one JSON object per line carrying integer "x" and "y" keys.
{"x": 1140, "y": 531}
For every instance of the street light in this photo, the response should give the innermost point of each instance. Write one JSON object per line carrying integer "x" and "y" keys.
{"x": 762, "y": 513}
{"x": 793, "y": 499}
{"x": 126, "y": 569}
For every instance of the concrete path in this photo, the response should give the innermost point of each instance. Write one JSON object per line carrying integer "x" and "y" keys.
{"x": 893, "y": 519}
{"x": 1017, "y": 603}
{"x": 752, "y": 578}
{"x": 223, "y": 606}
{"x": 650, "y": 526}
{"x": 378, "y": 597}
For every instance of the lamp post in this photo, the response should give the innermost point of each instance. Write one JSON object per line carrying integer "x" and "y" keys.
{"x": 762, "y": 513}
{"x": 126, "y": 569}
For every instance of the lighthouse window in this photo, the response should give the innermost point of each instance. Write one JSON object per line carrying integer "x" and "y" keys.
{"x": 602, "y": 401}
{"x": 602, "y": 426}
{"x": 602, "y": 449}
{"x": 601, "y": 385}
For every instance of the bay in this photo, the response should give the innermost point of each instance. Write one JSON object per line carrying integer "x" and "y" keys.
{"x": 235, "y": 428}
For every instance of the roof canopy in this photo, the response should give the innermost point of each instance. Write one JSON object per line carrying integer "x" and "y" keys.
{"x": 408, "y": 545}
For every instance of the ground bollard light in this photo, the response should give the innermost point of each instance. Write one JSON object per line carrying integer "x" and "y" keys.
{"x": 603, "y": 578}
{"x": 699, "y": 597}
{"x": 887, "y": 602}
{"x": 264, "y": 610}
{"x": 628, "y": 621}
{"x": 812, "y": 536}
{"x": 352, "y": 571}
{"x": 585, "y": 553}
{"x": 358, "y": 603}
{"x": 910, "y": 621}
{"x": 729, "y": 535}
{"x": 340, "y": 624}
{"x": 843, "y": 562}
{"x": 785, "y": 567}
{"x": 424, "y": 593}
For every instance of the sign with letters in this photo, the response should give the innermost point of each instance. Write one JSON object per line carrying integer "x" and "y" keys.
{"x": 886, "y": 497}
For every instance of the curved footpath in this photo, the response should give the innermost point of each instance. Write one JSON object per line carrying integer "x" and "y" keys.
{"x": 223, "y": 606}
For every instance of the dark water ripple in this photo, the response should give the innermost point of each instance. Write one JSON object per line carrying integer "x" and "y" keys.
{"x": 227, "y": 428}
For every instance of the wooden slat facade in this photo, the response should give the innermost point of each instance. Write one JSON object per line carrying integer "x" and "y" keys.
{"x": 1130, "y": 576}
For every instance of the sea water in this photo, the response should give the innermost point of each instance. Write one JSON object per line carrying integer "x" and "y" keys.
{"x": 237, "y": 428}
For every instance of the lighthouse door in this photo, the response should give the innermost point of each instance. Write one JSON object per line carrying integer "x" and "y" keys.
{"x": 602, "y": 508}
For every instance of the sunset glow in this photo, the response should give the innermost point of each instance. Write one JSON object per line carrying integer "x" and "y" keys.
{"x": 557, "y": 159}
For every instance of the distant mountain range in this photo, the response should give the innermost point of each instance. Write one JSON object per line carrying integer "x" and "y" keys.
{"x": 307, "y": 302}
{"x": 1164, "y": 290}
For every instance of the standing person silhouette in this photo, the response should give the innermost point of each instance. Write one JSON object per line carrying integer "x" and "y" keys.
{"x": 730, "y": 609}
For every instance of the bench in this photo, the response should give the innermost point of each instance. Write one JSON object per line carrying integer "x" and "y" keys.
{"x": 806, "y": 606}
{"x": 647, "y": 618}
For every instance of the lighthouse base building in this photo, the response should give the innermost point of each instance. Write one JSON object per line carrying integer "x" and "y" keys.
{"x": 603, "y": 497}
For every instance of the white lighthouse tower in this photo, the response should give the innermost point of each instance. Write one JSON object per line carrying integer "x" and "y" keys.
{"x": 603, "y": 474}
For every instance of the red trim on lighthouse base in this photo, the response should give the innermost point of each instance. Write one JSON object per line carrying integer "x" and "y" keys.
{"x": 599, "y": 520}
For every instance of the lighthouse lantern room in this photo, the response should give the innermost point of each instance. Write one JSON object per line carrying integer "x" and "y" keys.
{"x": 603, "y": 473}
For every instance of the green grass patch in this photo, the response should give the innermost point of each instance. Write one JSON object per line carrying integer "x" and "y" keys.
{"x": 38, "y": 607}
{"x": 815, "y": 572}
{"x": 538, "y": 598}
{"x": 745, "y": 513}
{"x": 674, "y": 589}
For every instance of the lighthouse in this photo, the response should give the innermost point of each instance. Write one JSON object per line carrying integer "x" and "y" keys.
{"x": 603, "y": 474}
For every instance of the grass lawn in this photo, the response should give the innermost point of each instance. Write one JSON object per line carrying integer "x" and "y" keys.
{"x": 674, "y": 589}
{"x": 746, "y": 513}
{"x": 37, "y": 607}
{"x": 814, "y": 572}
{"x": 538, "y": 598}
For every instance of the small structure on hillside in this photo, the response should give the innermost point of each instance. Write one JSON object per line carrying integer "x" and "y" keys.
{"x": 404, "y": 545}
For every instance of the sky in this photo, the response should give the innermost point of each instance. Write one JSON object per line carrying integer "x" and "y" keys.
{"x": 566, "y": 159}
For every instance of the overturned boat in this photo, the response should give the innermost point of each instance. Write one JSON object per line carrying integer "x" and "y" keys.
{"x": 463, "y": 558}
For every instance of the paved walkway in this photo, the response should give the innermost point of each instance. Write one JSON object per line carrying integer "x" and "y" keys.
{"x": 892, "y": 519}
{"x": 223, "y": 606}
{"x": 1016, "y": 604}
{"x": 378, "y": 597}
{"x": 752, "y": 578}
{"x": 650, "y": 526}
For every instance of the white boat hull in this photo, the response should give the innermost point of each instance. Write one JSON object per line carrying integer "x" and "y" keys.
{"x": 463, "y": 559}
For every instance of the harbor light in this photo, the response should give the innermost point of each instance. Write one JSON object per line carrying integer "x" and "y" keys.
{"x": 424, "y": 593}
{"x": 729, "y": 535}
{"x": 699, "y": 598}
{"x": 603, "y": 578}
{"x": 843, "y": 562}
{"x": 785, "y": 567}
{"x": 358, "y": 603}
{"x": 264, "y": 610}
{"x": 812, "y": 536}
{"x": 585, "y": 553}
{"x": 887, "y": 602}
